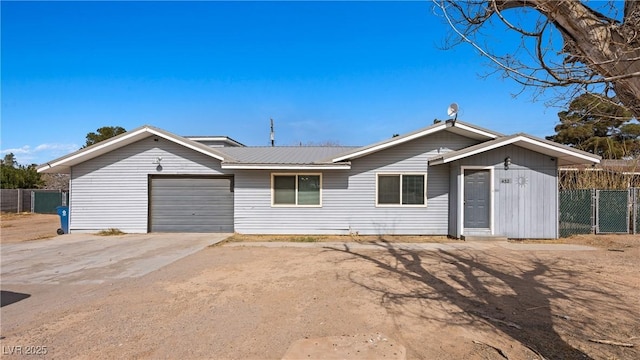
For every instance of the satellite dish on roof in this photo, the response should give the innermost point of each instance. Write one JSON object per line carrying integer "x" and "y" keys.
{"x": 452, "y": 111}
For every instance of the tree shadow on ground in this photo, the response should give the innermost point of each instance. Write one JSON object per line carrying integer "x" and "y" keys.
{"x": 10, "y": 297}
{"x": 513, "y": 297}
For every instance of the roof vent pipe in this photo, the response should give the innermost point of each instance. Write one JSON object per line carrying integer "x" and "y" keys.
{"x": 273, "y": 137}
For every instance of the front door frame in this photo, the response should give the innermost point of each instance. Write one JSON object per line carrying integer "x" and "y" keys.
{"x": 461, "y": 196}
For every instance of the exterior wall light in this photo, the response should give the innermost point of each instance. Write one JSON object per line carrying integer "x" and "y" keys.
{"x": 158, "y": 160}
{"x": 507, "y": 162}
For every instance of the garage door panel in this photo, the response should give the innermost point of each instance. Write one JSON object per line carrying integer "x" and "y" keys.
{"x": 166, "y": 215}
{"x": 191, "y": 204}
{"x": 177, "y": 192}
{"x": 172, "y": 207}
{"x": 187, "y": 201}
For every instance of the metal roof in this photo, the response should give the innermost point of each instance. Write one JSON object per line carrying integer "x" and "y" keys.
{"x": 283, "y": 154}
{"x": 325, "y": 157}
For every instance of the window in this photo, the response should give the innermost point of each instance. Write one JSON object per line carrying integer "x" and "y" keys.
{"x": 401, "y": 189}
{"x": 296, "y": 189}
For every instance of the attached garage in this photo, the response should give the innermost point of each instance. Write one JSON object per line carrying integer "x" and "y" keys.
{"x": 149, "y": 180}
{"x": 191, "y": 204}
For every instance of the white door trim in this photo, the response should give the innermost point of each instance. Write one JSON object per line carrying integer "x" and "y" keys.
{"x": 461, "y": 196}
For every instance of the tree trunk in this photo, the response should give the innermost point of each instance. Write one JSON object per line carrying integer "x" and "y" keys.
{"x": 609, "y": 49}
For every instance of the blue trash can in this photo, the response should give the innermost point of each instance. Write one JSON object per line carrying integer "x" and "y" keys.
{"x": 63, "y": 212}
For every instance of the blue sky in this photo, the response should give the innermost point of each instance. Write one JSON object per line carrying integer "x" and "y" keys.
{"x": 347, "y": 72}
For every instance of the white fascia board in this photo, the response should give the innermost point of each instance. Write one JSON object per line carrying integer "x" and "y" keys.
{"x": 96, "y": 148}
{"x": 190, "y": 146}
{"x": 514, "y": 140}
{"x": 477, "y": 131}
{"x": 444, "y": 159}
{"x": 391, "y": 143}
{"x": 284, "y": 167}
{"x": 207, "y": 138}
{"x": 437, "y": 161}
{"x": 214, "y": 138}
{"x": 592, "y": 158}
{"x": 100, "y": 147}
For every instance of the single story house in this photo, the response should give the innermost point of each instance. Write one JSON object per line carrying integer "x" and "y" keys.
{"x": 450, "y": 178}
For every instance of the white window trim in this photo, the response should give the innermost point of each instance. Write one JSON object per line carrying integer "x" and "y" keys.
{"x": 401, "y": 204}
{"x": 273, "y": 192}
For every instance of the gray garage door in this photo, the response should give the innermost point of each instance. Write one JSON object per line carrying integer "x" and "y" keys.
{"x": 180, "y": 204}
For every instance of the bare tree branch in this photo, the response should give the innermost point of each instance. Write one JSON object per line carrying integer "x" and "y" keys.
{"x": 592, "y": 50}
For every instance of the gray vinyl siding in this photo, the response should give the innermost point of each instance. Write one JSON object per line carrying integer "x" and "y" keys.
{"x": 526, "y": 206}
{"x": 454, "y": 172}
{"x": 111, "y": 191}
{"x": 349, "y": 196}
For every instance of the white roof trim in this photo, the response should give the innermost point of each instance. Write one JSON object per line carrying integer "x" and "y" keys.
{"x": 138, "y": 133}
{"x": 430, "y": 130}
{"x": 95, "y": 148}
{"x": 515, "y": 139}
{"x": 209, "y": 138}
{"x": 226, "y": 139}
{"x": 284, "y": 167}
{"x": 388, "y": 144}
{"x": 190, "y": 146}
{"x": 591, "y": 158}
{"x": 475, "y": 130}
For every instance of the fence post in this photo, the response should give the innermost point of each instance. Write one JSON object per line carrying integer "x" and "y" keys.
{"x": 629, "y": 208}
{"x": 594, "y": 211}
{"x": 33, "y": 201}
{"x": 19, "y": 210}
{"x": 636, "y": 209}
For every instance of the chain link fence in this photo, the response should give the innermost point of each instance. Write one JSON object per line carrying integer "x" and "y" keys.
{"x": 576, "y": 212}
{"x": 612, "y": 211}
{"x": 599, "y": 211}
{"x": 32, "y": 200}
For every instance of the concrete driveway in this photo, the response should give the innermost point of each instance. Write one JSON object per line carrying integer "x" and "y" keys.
{"x": 91, "y": 259}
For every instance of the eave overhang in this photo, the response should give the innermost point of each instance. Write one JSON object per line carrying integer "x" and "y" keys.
{"x": 63, "y": 164}
{"x": 565, "y": 155}
{"x": 456, "y": 127}
{"x": 303, "y": 167}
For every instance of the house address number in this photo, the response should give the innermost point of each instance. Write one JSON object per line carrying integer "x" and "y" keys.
{"x": 505, "y": 181}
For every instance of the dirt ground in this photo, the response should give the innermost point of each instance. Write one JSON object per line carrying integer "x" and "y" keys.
{"x": 26, "y": 226}
{"x": 255, "y": 302}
